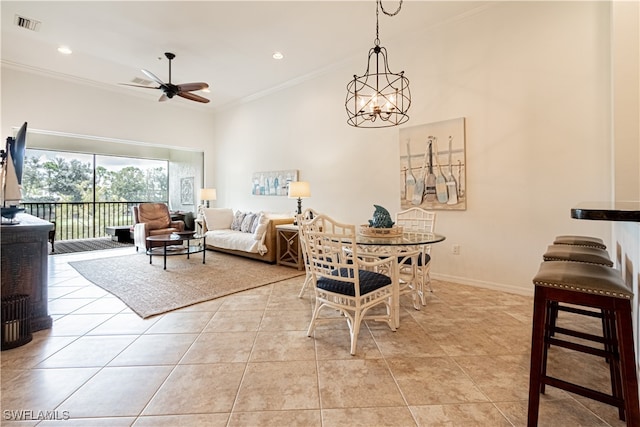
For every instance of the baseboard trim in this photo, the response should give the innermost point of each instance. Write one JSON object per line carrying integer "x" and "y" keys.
{"x": 512, "y": 289}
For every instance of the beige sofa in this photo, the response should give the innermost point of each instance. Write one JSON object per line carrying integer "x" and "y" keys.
{"x": 249, "y": 234}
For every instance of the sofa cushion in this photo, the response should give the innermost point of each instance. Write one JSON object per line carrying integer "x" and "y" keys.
{"x": 247, "y": 222}
{"x": 236, "y": 240}
{"x": 218, "y": 218}
{"x": 237, "y": 220}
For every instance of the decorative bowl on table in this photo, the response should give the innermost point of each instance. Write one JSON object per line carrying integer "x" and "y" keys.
{"x": 184, "y": 234}
{"x": 393, "y": 231}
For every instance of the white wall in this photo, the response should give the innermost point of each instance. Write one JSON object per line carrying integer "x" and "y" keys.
{"x": 532, "y": 81}
{"x": 626, "y": 137}
{"x": 56, "y": 105}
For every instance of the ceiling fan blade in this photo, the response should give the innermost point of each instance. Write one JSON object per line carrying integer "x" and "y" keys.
{"x": 152, "y": 77}
{"x": 193, "y": 97}
{"x": 146, "y": 87}
{"x": 163, "y": 98}
{"x": 190, "y": 87}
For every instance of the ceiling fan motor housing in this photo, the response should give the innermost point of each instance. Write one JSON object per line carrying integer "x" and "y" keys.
{"x": 170, "y": 90}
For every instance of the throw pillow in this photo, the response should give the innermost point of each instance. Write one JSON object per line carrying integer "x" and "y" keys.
{"x": 263, "y": 222}
{"x": 256, "y": 222}
{"x": 247, "y": 222}
{"x": 218, "y": 218}
{"x": 237, "y": 220}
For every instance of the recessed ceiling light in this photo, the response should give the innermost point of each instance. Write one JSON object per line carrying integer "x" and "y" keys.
{"x": 278, "y": 55}
{"x": 65, "y": 50}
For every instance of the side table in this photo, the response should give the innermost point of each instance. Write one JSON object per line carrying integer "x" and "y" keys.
{"x": 288, "y": 248}
{"x": 119, "y": 233}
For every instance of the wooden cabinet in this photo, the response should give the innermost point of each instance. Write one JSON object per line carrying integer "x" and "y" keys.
{"x": 24, "y": 263}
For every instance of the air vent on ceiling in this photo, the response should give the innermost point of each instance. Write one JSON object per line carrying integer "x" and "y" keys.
{"x": 139, "y": 81}
{"x": 29, "y": 24}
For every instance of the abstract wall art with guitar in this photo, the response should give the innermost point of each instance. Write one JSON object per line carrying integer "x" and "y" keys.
{"x": 432, "y": 166}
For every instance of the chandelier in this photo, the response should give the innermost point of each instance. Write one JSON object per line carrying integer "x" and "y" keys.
{"x": 379, "y": 98}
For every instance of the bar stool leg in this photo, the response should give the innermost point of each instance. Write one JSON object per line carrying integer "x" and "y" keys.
{"x": 611, "y": 346}
{"x": 624, "y": 328}
{"x": 537, "y": 351}
{"x": 551, "y": 315}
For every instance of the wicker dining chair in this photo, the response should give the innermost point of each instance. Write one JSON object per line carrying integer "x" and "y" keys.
{"x": 341, "y": 279}
{"x": 416, "y": 271}
{"x": 308, "y": 214}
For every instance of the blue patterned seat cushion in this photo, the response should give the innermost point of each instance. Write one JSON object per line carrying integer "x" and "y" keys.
{"x": 409, "y": 261}
{"x": 369, "y": 281}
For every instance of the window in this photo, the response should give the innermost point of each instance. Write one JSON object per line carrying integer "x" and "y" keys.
{"x": 56, "y": 176}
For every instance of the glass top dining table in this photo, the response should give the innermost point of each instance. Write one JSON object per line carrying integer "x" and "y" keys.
{"x": 396, "y": 246}
{"x": 407, "y": 238}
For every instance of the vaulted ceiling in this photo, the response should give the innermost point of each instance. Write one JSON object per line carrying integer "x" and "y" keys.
{"x": 228, "y": 44}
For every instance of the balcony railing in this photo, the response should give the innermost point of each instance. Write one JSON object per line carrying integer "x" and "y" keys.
{"x": 80, "y": 220}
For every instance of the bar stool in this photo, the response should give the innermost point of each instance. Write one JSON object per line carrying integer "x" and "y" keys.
{"x": 575, "y": 253}
{"x": 593, "y": 242}
{"x": 595, "y": 286}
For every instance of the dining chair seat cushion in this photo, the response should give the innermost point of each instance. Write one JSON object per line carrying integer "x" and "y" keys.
{"x": 369, "y": 282}
{"x": 421, "y": 263}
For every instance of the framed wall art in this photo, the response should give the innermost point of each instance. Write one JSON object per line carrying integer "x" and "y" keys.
{"x": 272, "y": 183}
{"x": 433, "y": 166}
{"x": 187, "y": 190}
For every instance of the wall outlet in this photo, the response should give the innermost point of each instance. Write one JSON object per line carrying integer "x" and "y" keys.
{"x": 455, "y": 249}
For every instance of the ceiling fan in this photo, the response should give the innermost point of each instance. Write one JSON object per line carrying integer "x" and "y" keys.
{"x": 170, "y": 90}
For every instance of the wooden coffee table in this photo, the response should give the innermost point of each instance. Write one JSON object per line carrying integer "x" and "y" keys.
{"x": 169, "y": 248}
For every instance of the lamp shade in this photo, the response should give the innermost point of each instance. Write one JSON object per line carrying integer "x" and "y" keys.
{"x": 208, "y": 194}
{"x": 299, "y": 189}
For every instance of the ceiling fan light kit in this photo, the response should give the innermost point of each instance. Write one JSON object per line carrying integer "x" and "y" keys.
{"x": 169, "y": 90}
{"x": 379, "y": 98}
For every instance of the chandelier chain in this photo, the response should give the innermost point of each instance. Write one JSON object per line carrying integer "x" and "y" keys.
{"x": 379, "y": 3}
{"x": 393, "y": 13}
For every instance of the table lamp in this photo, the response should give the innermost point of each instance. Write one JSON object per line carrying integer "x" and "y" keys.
{"x": 207, "y": 194}
{"x": 299, "y": 190}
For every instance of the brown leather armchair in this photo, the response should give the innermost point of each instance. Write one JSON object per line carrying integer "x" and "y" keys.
{"x": 152, "y": 219}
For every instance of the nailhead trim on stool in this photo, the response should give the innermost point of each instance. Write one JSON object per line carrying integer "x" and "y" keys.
{"x": 593, "y": 286}
{"x": 594, "y": 242}
{"x": 577, "y": 253}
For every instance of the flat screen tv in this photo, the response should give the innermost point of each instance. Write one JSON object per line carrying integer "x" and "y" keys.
{"x": 18, "y": 150}
{"x": 12, "y": 167}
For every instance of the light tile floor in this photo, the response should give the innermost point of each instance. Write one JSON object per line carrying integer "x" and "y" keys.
{"x": 245, "y": 360}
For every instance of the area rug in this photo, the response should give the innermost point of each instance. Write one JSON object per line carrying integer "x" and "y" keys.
{"x": 149, "y": 290}
{"x": 83, "y": 245}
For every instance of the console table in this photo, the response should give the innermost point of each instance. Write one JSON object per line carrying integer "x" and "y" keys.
{"x": 24, "y": 261}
